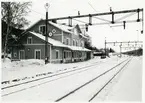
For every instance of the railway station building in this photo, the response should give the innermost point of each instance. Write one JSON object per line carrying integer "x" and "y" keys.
{"x": 65, "y": 43}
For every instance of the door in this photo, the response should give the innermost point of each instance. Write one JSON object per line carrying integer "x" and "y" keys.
{"x": 37, "y": 54}
{"x": 21, "y": 54}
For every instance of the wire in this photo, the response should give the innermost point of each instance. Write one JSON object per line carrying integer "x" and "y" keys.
{"x": 97, "y": 11}
{"x": 129, "y": 21}
{"x": 125, "y": 17}
{"x": 38, "y": 12}
{"x": 92, "y": 7}
{"x": 80, "y": 21}
{"x": 102, "y": 19}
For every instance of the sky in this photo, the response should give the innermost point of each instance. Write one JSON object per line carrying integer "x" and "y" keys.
{"x": 63, "y": 8}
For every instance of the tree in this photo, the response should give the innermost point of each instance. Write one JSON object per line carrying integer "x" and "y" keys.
{"x": 13, "y": 13}
{"x": 112, "y": 50}
{"x": 88, "y": 45}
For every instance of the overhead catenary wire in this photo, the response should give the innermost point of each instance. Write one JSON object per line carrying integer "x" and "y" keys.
{"x": 95, "y": 16}
{"x": 119, "y": 22}
{"x": 38, "y": 12}
{"x": 128, "y": 15}
{"x": 80, "y": 21}
{"x": 96, "y": 12}
{"x": 100, "y": 18}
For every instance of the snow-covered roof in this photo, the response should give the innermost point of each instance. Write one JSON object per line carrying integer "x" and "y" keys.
{"x": 78, "y": 48}
{"x": 50, "y": 40}
{"x": 62, "y": 27}
{"x": 58, "y": 43}
{"x": 83, "y": 35}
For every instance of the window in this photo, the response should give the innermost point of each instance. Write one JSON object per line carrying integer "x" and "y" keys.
{"x": 73, "y": 54}
{"x": 75, "y": 31}
{"x": 37, "y": 54}
{"x": 29, "y": 40}
{"x": 76, "y": 43}
{"x": 82, "y": 44}
{"x": 73, "y": 42}
{"x": 70, "y": 54}
{"x": 64, "y": 54}
{"x": 67, "y": 41}
{"x": 57, "y": 54}
{"x": 67, "y": 54}
{"x": 42, "y": 29}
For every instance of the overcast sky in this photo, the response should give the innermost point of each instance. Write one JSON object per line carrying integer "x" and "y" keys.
{"x": 61, "y": 8}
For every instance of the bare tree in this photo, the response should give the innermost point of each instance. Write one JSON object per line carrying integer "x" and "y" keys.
{"x": 13, "y": 13}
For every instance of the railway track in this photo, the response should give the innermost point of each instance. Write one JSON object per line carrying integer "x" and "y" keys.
{"x": 107, "y": 83}
{"x": 81, "y": 68}
{"x": 78, "y": 70}
{"x": 90, "y": 81}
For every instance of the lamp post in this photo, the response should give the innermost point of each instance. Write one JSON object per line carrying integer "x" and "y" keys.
{"x": 46, "y": 34}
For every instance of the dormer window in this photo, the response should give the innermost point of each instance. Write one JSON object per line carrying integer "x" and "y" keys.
{"x": 42, "y": 29}
{"x": 29, "y": 40}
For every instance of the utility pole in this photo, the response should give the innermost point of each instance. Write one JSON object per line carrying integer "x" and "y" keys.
{"x": 46, "y": 34}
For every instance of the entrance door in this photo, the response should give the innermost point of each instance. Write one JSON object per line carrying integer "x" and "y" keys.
{"x": 21, "y": 54}
{"x": 37, "y": 54}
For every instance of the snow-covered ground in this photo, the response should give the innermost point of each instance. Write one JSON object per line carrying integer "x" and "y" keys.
{"x": 50, "y": 89}
{"x": 30, "y": 69}
{"x": 128, "y": 84}
{"x": 26, "y": 70}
